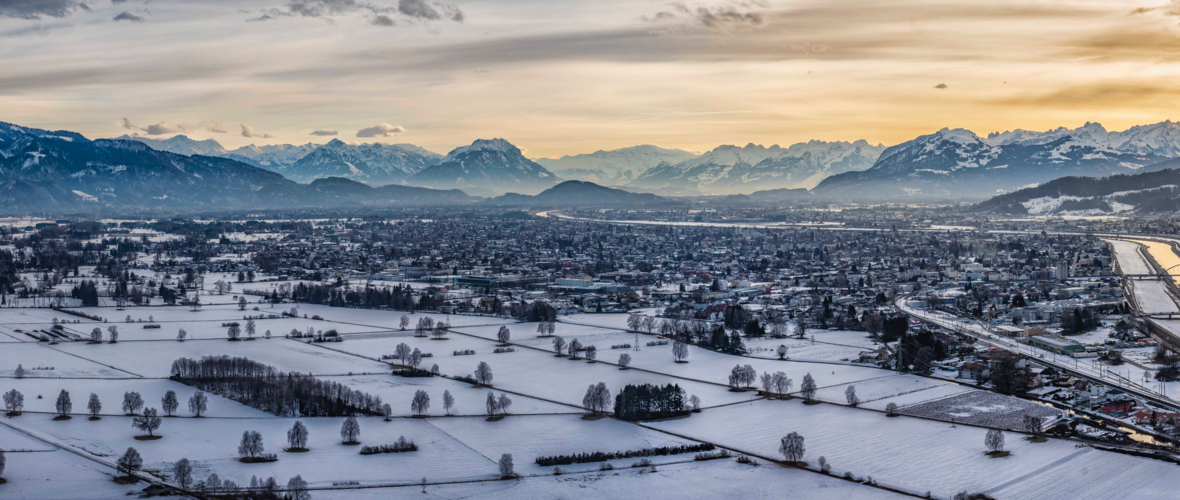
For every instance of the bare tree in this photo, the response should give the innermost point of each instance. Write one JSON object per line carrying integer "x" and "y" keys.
{"x": 403, "y": 322}
{"x": 63, "y": 404}
{"x": 850, "y": 396}
{"x": 14, "y": 402}
{"x": 180, "y": 335}
{"x": 448, "y": 402}
{"x": 96, "y": 334}
{"x": 114, "y": 333}
{"x": 440, "y": 330}
{"x": 891, "y": 409}
{"x": 792, "y": 447}
{"x": 800, "y": 326}
{"x": 624, "y": 360}
{"x": 170, "y": 403}
{"x": 425, "y": 324}
{"x": 574, "y": 348}
{"x": 808, "y": 388}
{"x": 492, "y": 405}
{"x": 20, "y": 371}
{"x": 782, "y": 383}
{"x": 297, "y": 437}
{"x": 251, "y": 445}
{"x": 3, "y": 462}
{"x": 634, "y": 322}
{"x": 679, "y": 351}
{"x": 198, "y": 403}
{"x": 129, "y": 462}
{"x": 767, "y": 381}
{"x": 558, "y": 345}
{"x": 504, "y": 334}
{"x": 182, "y": 473}
{"x": 506, "y": 468}
{"x": 421, "y": 402}
{"x": 824, "y": 466}
{"x": 781, "y": 351}
{"x": 297, "y": 489}
{"x": 148, "y": 422}
{"x": 1033, "y": 425}
{"x": 251, "y": 329}
{"x": 483, "y": 373}
{"x": 503, "y": 402}
{"x": 597, "y": 398}
{"x": 94, "y": 405}
{"x": 591, "y": 353}
{"x": 649, "y": 324}
{"x": 415, "y": 358}
{"x": 132, "y": 402}
{"x": 242, "y": 303}
{"x": 994, "y": 440}
{"x": 350, "y": 431}
{"x": 694, "y": 403}
{"x": 386, "y": 411}
{"x": 234, "y": 332}
{"x": 402, "y": 353}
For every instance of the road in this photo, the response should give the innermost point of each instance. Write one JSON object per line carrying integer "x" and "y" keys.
{"x": 1065, "y": 363}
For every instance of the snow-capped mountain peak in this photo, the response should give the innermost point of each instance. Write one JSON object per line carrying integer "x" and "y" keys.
{"x": 498, "y": 145}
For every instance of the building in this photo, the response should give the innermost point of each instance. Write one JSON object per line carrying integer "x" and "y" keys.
{"x": 1059, "y": 346}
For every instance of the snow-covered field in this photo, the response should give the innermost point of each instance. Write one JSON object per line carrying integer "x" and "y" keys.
{"x": 1127, "y": 253}
{"x": 1153, "y": 298}
{"x": 546, "y": 417}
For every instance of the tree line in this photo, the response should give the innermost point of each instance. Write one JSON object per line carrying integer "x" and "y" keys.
{"x": 266, "y": 388}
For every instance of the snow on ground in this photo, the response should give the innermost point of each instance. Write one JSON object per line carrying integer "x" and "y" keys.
{"x": 914, "y": 454}
{"x": 1153, "y": 298}
{"x": 711, "y": 479}
{"x": 1130, "y": 262}
{"x": 908, "y": 453}
{"x": 982, "y": 408}
{"x": 51, "y": 473}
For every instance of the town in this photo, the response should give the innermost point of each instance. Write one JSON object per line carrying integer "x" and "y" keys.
{"x": 1051, "y": 331}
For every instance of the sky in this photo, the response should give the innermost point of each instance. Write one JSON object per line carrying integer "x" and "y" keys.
{"x": 572, "y": 76}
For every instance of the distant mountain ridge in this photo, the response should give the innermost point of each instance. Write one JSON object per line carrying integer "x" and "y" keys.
{"x": 954, "y": 163}
{"x": 732, "y": 169}
{"x": 373, "y": 164}
{"x": 52, "y": 171}
{"x": 487, "y": 167}
{"x": 1147, "y": 192}
{"x": 578, "y": 193}
{"x": 616, "y": 166}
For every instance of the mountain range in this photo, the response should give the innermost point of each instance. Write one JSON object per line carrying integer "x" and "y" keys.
{"x": 955, "y": 163}
{"x": 732, "y": 169}
{"x": 487, "y": 167}
{"x": 578, "y": 193}
{"x": 44, "y": 170}
{"x": 1146, "y": 192}
{"x": 616, "y": 167}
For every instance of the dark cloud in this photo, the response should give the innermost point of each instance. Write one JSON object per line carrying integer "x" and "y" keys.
{"x": 727, "y": 17}
{"x": 325, "y": 132}
{"x": 381, "y": 15}
{"x": 380, "y": 130}
{"x": 34, "y": 9}
{"x": 417, "y": 9}
{"x": 940, "y": 86}
{"x": 248, "y": 131}
{"x": 127, "y": 16}
{"x": 164, "y": 128}
{"x": 128, "y": 125}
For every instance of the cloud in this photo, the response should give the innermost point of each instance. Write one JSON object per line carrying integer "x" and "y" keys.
{"x": 940, "y": 86}
{"x": 127, "y": 16}
{"x": 116, "y": 2}
{"x": 325, "y": 132}
{"x": 34, "y": 9}
{"x": 128, "y": 125}
{"x": 728, "y": 17}
{"x": 381, "y": 129}
{"x": 248, "y": 131}
{"x": 421, "y": 10}
{"x": 164, "y": 127}
{"x": 417, "y": 9}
